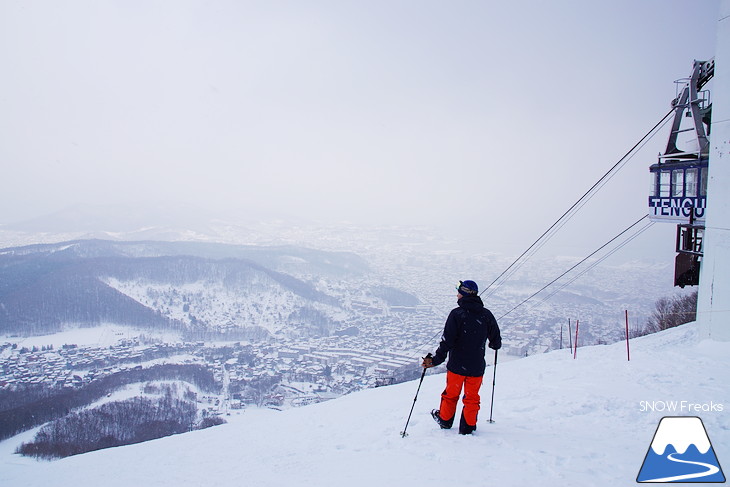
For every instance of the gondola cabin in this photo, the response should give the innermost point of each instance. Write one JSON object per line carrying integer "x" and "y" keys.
{"x": 679, "y": 190}
{"x": 679, "y": 179}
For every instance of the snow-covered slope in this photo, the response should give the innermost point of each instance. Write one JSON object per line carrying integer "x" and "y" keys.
{"x": 559, "y": 421}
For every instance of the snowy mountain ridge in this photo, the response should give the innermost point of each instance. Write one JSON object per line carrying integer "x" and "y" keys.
{"x": 559, "y": 421}
{"x": 194, "y": 288}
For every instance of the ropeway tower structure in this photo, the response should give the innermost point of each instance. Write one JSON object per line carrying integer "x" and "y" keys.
{"x": 679, "y": 178}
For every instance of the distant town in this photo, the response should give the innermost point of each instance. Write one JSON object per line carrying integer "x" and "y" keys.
{"x": 259, "y": 374}
{"x": 377, "y": 343}
{"x": 273, "y": 373}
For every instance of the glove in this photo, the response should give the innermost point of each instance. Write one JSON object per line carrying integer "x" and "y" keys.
{"x": 495, "y": 346}
{"x": 427, "y": 361}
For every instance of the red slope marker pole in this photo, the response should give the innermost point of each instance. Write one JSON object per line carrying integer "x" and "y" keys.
{"x": 575, "y": 352}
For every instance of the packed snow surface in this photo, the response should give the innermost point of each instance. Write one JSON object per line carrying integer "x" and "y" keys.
{"x": 587, "y": 421}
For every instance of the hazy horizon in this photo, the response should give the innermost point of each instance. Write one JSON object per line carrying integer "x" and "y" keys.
{"x": 485, "y": 119}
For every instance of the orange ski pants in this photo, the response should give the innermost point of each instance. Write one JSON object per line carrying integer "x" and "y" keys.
{"x": 450, "y": 397}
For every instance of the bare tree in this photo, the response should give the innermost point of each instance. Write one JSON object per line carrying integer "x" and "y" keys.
{"x": 671, "y": 312}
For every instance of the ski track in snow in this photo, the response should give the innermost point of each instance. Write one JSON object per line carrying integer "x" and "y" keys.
{"x": 559, "y": 421}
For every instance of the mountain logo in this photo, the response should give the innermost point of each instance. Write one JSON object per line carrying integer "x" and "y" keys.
{"x": 680, "y": 452}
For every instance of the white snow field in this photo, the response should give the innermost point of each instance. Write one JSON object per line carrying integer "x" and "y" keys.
{"x": 560, "y": 421}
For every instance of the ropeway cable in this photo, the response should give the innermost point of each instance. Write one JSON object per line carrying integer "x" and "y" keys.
{"x": 565, "y": 217}
{"x": 580, "y": 274}
{"x": 573, "y": 209}
{"x": 596, "y": 263}
{"x": 584, "y": 260}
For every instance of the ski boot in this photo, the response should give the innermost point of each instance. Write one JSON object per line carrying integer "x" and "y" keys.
{"x": 464, "y": 428}
{"x": 441, "y": 422}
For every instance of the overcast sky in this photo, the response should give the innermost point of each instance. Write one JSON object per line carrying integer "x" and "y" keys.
{"x": 475, "y": 113}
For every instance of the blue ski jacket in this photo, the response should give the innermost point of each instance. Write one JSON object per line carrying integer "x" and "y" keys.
{"x": 466, "y": 332}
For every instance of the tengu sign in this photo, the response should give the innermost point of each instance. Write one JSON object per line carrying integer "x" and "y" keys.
{"x": 677, "y": 209}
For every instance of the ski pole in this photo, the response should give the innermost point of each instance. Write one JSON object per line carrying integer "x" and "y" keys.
{"x": 494, "y": 381}
{"x": 403, "y": 433}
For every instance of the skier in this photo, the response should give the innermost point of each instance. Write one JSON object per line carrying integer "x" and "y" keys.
{"x": 466, "y": 332}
